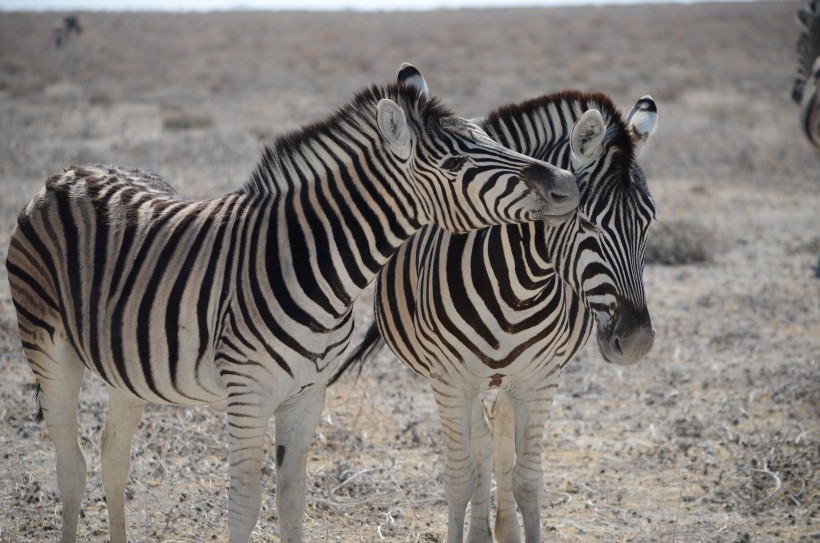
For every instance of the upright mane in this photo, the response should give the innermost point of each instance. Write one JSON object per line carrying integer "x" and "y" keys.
{"x": 569, "y": 105}
{"x": 278, "y": 166}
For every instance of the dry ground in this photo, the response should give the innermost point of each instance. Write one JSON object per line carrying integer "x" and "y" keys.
{"x": 715, "y": 437}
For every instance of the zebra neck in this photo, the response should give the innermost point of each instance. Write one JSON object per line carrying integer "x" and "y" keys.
{"x": 523, "y": 252}
{"x": 540, "y": 255}
{"x": 332, "y": 223}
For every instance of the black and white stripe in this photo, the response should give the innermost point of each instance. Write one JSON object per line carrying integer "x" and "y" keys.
{"x": 507, "y": 307}
{"x": 806, "y": 89}
{"x": 246, "y": 297}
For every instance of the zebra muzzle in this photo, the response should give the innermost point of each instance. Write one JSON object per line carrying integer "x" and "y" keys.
{"x": 557, "y": 189}
{"x": 629, "y": 338}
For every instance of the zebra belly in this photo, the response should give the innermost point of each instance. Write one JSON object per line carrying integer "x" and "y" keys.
{"x": 489, "y": 367}
{"x": 190, "y": 380}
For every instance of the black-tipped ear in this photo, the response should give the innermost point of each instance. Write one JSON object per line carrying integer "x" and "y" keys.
{"x": 642, "y": 122}
{"x": 645, "y": 104}
{"x": 410, "y": 76}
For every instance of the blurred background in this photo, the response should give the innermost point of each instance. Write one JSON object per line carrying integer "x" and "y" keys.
{"x": 713, "y": 437}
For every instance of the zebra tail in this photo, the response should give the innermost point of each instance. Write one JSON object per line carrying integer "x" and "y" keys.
{"x": 37, "y": 389}
{"x": 370, "y": 345}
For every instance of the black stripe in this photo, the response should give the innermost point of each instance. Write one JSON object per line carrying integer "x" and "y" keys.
{"x": 174, "y": 302}
{"x": 100, "y": 260}
{"x": 34, "y": 320}
{"x": 74, "y": 268}
{"x": 31, "y": 283}
{"x": 251, "y": 250}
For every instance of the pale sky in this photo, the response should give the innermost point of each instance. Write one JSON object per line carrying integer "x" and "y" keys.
{"x": 330, "y": 5}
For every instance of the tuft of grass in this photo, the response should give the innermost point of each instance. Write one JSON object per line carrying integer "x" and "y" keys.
{"x": 679, "y": 242}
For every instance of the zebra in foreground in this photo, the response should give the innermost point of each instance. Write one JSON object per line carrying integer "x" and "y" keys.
{"x": 247, "y": 297}
{"x": 806, "y": 89}
{"x": 507, "y": 307}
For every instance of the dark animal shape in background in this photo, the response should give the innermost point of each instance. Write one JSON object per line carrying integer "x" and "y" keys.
{"x": 63, "y": 30}
{"x": 806, "y": 89}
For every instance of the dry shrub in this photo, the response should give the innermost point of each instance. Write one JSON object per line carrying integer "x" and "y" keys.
{"x": 679, "y": 242}
{"x": 186, "y": 121}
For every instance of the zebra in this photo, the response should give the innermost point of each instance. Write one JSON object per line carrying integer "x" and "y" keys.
{"x": 245, "y": 298}
{"x": 806, "y": 89}
{"x": 507, "y": 307}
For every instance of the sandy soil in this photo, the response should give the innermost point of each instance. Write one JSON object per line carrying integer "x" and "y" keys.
{"x": 715, "y": 437}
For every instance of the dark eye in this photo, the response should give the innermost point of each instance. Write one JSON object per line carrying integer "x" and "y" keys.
{"x": 453, "y": 163}
{"x": 586, "y": 224}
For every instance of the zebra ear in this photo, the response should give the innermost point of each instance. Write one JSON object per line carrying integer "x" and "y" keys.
{"x": 393, "y": 127}
{"x": 410, "y": 76}
{"x": 587, "y": 137}
{"x": 642, "y": 121}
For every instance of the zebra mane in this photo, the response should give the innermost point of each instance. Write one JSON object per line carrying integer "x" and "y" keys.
{"x": 280, "y": 159}
{"x": 569, "y": 105}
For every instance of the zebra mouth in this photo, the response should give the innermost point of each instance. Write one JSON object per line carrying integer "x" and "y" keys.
{"x": 626, "y": 338}
{"x": 557, "y": 219}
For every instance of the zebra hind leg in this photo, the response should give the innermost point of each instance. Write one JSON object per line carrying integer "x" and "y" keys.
{"x": 296, "y": 422}
{"x": 60, "y": 373}
{"x": 482, "y": 448}
{"x": 124, "y": 413}
{"x": 507, "y": 528}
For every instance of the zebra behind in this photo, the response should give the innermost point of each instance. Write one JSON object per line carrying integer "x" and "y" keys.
{"x": 246, "y": 297}
{"x": 806, "y": 89}
{"x": 506, "y": 307}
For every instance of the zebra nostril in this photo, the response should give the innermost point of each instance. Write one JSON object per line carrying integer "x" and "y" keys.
{"x": 616, "y": 343}
{"x": 558, "y": 197}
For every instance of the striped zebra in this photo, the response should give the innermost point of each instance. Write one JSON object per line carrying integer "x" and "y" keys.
{"x": 806, "y": 90}
{"x": 246, "y": 297}
{"x": 507, "y": 307}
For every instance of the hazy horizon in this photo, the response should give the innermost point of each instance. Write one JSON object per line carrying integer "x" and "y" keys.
{"x": 306, "y": 5}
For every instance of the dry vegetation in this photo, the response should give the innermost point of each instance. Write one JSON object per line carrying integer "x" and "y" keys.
{"x": 713, "y": 438}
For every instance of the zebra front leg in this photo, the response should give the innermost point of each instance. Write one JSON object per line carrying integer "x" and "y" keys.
{"x": 248, "y": 416}
{"x": 482, "y": 449}
{"x": 531, "y": 412}
{"x": 459, "y": 471}
{"x": 60, "y": 374}
{"x": 507, "y": 528}
{"x": 296, "y": 422}
{"x": 124, "y": 413}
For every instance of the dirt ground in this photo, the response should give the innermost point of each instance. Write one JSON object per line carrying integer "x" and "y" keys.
{"x": 714, "y": 437}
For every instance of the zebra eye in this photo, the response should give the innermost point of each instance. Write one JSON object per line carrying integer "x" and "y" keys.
{"x": 588, "y": 225}
{"x": 453, "y": 163}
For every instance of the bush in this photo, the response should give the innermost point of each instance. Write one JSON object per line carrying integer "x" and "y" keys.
{"x": 679, "y": 242}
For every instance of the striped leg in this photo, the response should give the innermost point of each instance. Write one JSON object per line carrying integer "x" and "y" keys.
{"x": 296, "y": 423}
{"x": 482, "y": 448}
{"x": 124, "y": 413}
{"x": 455, "y": 410}
{"x": 60, "y": 374}
{"x": 248, "y": 417}
{"x": 531, "y": 415}
{"x": 507, "y": 529}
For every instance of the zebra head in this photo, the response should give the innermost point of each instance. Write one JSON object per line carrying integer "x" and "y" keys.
{"x": 465, "y": 179}
{"x": 610, "y": 232}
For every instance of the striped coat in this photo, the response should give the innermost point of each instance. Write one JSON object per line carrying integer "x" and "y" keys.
{"x": 246, "y": 297}
{"x": 507, "y": 307}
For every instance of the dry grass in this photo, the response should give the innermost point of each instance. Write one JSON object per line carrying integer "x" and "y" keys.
{"x": 713, "y": 438}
